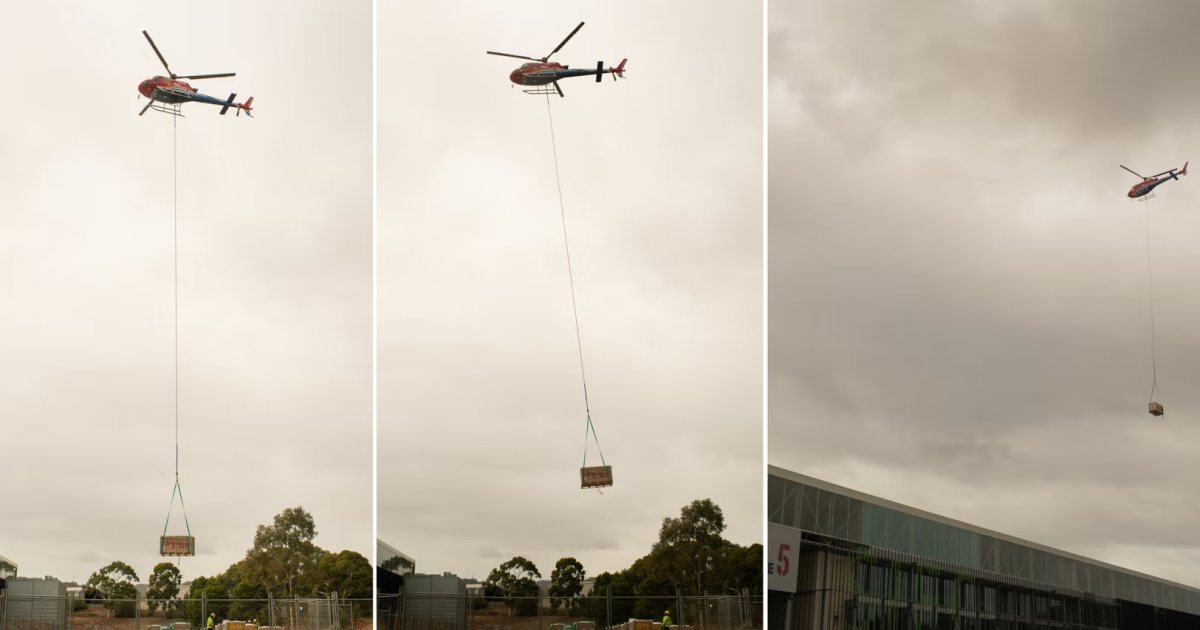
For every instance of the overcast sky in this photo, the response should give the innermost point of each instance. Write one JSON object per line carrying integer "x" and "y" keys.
{"x": 481, "y": 414}
{"x": 958, "y": 284}
{"x": 275, "y": 289}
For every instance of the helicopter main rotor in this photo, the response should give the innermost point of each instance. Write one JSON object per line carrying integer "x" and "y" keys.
{"x": 191, "y": 76}
{"x": 543, "y": 59}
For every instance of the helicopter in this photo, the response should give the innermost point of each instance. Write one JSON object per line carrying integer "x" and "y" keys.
{"x": 166, "y": 94}
{"x": 1148, "y": 184}
{"x": 543, "y": 73}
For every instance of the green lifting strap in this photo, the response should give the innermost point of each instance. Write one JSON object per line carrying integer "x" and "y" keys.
{"x": 178, "y": 489}
{"x": 588, "y": 427}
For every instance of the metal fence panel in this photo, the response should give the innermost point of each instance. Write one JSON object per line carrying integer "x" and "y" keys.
{"x": 21, "y": 612}
{"x": 452, "y": 611}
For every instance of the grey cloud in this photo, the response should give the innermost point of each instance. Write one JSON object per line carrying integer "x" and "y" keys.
{"x": 958, "y": 303}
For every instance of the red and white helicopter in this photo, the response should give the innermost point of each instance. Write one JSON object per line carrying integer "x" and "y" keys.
{"x": 166, "y": 94}
{"x": 1148, "y": 184}
{"x": 542, "y": 73}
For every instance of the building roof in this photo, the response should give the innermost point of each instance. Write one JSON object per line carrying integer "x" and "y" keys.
{"x": 1174, "y": 595}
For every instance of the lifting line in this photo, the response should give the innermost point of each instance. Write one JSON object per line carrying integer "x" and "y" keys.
{"x": 1150, "y": 281}
{"x": 574, "y": 307}
{"x": 175, "y": 227}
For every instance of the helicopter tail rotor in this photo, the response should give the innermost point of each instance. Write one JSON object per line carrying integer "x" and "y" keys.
{"x": 619, "y": 71}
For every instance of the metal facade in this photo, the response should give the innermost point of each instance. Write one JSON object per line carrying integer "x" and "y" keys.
{"x": 826, "y": 510}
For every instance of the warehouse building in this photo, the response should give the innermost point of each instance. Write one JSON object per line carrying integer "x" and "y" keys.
{"x": 840, "y": 559}
{"x": 33, "y": 604}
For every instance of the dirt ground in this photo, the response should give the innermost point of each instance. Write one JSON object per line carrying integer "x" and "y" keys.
{"x": 497, "y": 618}
{"x": 96, "y": 617}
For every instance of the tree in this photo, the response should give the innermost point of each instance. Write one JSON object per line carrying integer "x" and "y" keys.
{"x": 690, "y": 547}
{"x": 7, "y": 569}
{"x": 566, "y": 582}
{"x": 164, "y": 587}
{"x": 742, "y": 568}
{"x": 397, "y": 564}
{"x": 596, "y": 604}
{"x": 250, "y": 601}
{"x": 115, "y": 583}
{"x": 515, "y": 579}
{"x": 218, "y": 599}
{"x": 282, "y": 552}
{"x": 347, "y": 572}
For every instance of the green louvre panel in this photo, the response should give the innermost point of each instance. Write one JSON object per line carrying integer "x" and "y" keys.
{"x": 596, "y": 477}
{"x": 176, "y": 545}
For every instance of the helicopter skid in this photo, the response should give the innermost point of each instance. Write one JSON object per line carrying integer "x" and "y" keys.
{"x": 167, "y": 108}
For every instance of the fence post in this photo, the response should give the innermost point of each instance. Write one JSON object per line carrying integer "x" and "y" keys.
{"x": 271, "y": 609}
{"x": 3, "y": 607}
{"x": 203, "y": 610}
{"x": 137, "y": 610}
{"x": 539, "y": 607}
{"x": 403, "y": 600}
{"x": 679, "y": 608}
{"x": 608, "y": 608}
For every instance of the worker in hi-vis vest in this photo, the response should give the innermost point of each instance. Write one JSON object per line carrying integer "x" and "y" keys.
{"x": 666, "y": 619}
{"x": 211, "y": 619}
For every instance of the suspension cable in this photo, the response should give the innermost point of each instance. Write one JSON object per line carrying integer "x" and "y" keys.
{"x": 175, "y": 250}
{"x": 177, "y": 489}
{"x": 1150, "y": 283}
{"x": 588, "y": 427}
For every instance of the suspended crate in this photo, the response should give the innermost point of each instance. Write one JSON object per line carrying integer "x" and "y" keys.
{"x": 596, "y": 476}
{"x": 1156, "y": 409}
{"x": 176, "y": 545}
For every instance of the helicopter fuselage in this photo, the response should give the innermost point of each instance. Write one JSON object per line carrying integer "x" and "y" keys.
{"x": 545, "y": 73}
{"x": 167, "y": 90}
{"x": 174, "y": 91}
{"x": 1148, "y": 185}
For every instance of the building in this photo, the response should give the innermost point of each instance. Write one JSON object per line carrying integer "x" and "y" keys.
{"x": 8, "y": 568}
{"x": 34, "y": 603}
{"x": 393, "y": 560}
{"x": 841, "y": 559}
{"x": 433, "y": 600}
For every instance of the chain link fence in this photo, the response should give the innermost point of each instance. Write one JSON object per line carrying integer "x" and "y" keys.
{"x": 40, "y": 612}
{"x": 456, "y": 611}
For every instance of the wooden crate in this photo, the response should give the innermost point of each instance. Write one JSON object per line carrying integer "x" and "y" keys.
{"x": 596, "y": 477}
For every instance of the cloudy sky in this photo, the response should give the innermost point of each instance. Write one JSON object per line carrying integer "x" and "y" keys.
{"x": 481, "y": 414}
{"x": 274, "y": 267}
{"x": 959, "y": 314}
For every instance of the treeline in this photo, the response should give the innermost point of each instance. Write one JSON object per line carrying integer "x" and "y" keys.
{"x": 282, "y": 563}
{"x": 690, "y": 558}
